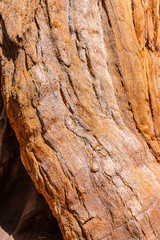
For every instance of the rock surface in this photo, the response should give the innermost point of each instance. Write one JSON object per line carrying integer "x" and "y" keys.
{"x": 80, "y": 83}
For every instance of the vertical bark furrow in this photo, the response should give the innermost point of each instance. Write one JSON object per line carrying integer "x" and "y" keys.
{"x": 79, "y": 65}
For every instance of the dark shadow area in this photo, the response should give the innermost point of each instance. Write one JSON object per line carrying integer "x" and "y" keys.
{"x": 8, "y": 47}
{"x": 24, "y": 213}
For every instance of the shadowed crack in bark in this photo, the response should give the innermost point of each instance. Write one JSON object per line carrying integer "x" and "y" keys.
{"x": 78, "y": 65}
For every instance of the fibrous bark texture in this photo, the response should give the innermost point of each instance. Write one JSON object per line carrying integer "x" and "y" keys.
{"x": 24, "y": 214}
{"x": 80, "y": 83}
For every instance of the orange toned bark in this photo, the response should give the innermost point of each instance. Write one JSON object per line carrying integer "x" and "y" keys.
{"x": 24, "y": 214}
{"x": 80, "y": 83}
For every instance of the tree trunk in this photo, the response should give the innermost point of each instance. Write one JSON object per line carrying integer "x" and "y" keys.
{"x": 24, "y": 213}
{"x": 80, "y": 83}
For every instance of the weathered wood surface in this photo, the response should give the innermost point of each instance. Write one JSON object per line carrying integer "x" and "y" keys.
{"x": 24, "y": 214}
{"x": 80, "y": 83}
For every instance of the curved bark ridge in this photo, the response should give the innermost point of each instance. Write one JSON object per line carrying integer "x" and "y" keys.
{"x": 24, "y": 214}
{"x": 80, "y": 86}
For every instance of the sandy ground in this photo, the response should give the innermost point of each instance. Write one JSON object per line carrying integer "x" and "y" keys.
{"x": 4, "y": 235}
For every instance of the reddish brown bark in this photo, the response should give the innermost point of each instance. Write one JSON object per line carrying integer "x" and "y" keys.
{"x": 24, "y": 214}
{"x": 80, "y": 83}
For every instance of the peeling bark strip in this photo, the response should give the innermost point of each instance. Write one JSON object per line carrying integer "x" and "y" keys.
{"x": 80, "y": 83}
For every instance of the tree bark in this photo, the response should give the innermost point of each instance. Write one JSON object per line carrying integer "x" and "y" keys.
{"x": 80, "y": 83}
{"x": 24, "y": 214}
